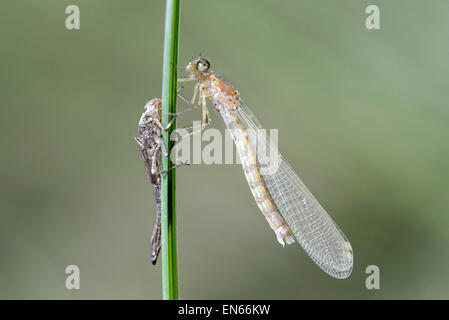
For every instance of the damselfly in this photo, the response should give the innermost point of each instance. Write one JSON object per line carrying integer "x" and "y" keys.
{"x": 289, "y": 207}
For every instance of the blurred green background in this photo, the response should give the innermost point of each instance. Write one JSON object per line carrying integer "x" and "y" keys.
{"x": 362, "y": 115}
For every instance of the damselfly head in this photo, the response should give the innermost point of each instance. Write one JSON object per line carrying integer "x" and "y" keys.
{"x": 198, "y": 66}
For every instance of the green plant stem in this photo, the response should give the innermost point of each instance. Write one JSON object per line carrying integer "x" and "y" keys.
{"x": 168, "y": 185}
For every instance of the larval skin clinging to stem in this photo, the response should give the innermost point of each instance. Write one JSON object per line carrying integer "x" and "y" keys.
{"x": 152, "y": 147}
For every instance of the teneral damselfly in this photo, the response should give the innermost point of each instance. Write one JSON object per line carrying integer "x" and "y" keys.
{"x": 289, "y": 207}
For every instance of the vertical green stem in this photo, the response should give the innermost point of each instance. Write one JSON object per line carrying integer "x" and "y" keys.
{"x": 168, "y": 195}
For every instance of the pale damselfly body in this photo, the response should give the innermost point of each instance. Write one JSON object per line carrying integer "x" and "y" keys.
{"x": 289, "y": 207}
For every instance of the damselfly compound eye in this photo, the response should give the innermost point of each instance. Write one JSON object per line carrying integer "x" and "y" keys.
{"x": 203, "y": 65}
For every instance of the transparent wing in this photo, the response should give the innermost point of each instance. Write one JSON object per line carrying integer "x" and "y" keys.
{"x": 312, "y": 227}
